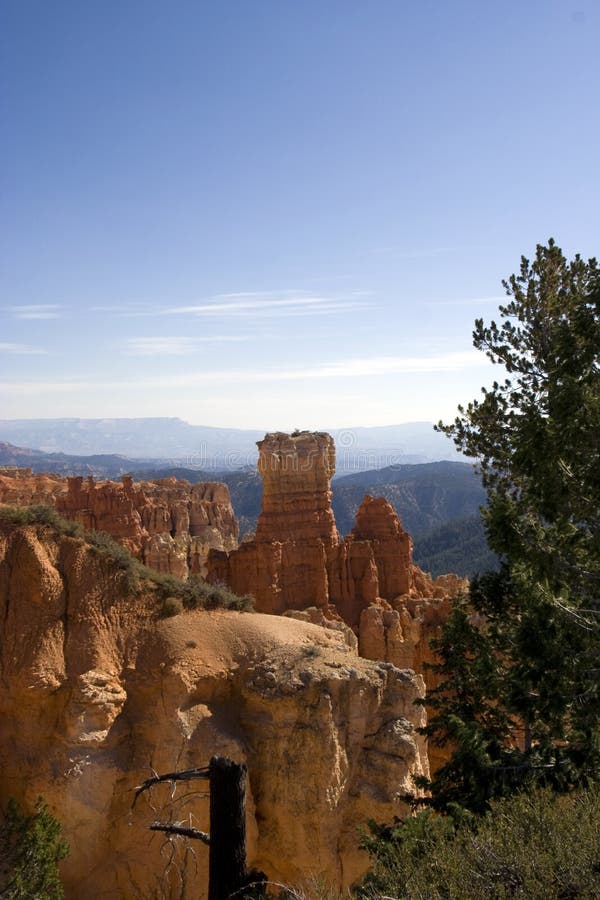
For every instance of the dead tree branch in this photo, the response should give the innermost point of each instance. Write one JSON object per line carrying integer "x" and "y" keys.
{"x": 172, "y": 828}
{"x": 172, "y": 777}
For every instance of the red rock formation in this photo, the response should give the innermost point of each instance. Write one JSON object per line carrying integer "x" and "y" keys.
{"x": 95, "y": 690}
{"x": 296, "y": 560}
{"x": 103, "y": 507}
{"x": 372, "y": 563}
{"x": 377, "y": 522}
{"x": 296, "y": 472}
{"x": 168, "y": 524}
{"x": 297, "y": 564}
{"x": 21, "y": 487}
{"x": 285, "y": 565}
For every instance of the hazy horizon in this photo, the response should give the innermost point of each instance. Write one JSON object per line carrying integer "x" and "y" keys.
{"x": 200, "y": 446}
{"x": 188, "y": 421}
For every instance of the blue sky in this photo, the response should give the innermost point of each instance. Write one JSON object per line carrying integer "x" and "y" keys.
{"x": 280, "y": 214}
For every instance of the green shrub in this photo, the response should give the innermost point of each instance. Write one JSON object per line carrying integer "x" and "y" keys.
{"x": 537, "y": 845}
{"x": 31, "y": 846}
{"x": 195, "y": 593}
{"x": 128, "y": 567}
{"x": 40, "y": 514}
{"x": 171, "y": 606}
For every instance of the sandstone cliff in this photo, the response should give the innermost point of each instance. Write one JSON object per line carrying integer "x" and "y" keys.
{"x": 94, "y": 690}
{"x": 168, "y": 524}
{"x": 296, "y": 559}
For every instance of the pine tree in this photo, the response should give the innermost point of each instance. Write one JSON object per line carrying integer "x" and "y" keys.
{"x": 536, "y": 438}
{"x": 31, "y": 846}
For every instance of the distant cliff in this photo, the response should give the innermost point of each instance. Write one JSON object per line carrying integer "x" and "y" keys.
{"x": 168, "y": 524}
{"x": 202, "y": 446}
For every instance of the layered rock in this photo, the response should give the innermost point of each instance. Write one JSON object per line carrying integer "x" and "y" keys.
{"x": 94, "y": 691}
{"x": 296, "y": 559}
{"x": 296, "y": 472}
{"x": 372, "y": 563}
{"x": 168, "y": 524}
{"x": 22, "y": 487}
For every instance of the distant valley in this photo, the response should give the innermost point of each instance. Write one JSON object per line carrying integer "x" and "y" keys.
{"x": 437, "y": 502}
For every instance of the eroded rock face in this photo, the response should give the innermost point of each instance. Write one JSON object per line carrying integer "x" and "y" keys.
{"x": 168, "y": 524}
{"x": 297, "y": 560}
{"x": 327, "y": 618}
{"x": 22, "y": 487}
{"x": 94, "y": 691}
{"x": 296, "y": 472}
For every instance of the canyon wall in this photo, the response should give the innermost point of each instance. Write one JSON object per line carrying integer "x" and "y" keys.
{"x": 297, "y": 560}
{"x": 96, "y": 692}
{"x": 168, "y": 524}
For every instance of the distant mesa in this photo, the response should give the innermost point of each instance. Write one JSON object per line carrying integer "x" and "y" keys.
{"x": 203, "y": 446}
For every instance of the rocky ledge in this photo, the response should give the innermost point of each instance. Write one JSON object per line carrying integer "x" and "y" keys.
{"x": 96, "y": 692}
{"x": 169, "y": 524}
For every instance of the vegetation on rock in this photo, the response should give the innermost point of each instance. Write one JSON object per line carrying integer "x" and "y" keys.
{"x": 31, "y": 846}
{"x": 173, "y": 593}
{"x": 536, "y": 845}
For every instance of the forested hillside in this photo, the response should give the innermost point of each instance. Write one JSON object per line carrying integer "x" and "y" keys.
{"x": 424, "y": 496}
{"x": 457, "y": 546}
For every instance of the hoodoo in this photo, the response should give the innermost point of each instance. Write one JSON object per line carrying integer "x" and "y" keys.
{"x": 169, "y": 524}
{"x": 296, "y": 472}
{"x": 297, "y": 560}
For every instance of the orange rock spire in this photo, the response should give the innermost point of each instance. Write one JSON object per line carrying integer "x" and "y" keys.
{"x": 298, "y": 562}
{"x": 296, "y": 472}
{"x": 297, "y": 559}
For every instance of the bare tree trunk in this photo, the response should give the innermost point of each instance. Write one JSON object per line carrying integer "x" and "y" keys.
{"x": 227, "y": 857}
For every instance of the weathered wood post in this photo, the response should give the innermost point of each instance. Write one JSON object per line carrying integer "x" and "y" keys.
{"x": 227, "y": 854}
{"x": 227, "y": 875}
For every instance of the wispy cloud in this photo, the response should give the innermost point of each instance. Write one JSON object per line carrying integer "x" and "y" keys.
{"x": 248, "y": 305}
{"x": 37, "y": 311}
{"x": 329, "y": 309}
{"x": 23, "y": 349}
{"x": 255, "y": 304}
{"x": 173, "y": 346}
{"x": 348, "y": 368}
{"x": 390, "y": 365}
